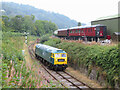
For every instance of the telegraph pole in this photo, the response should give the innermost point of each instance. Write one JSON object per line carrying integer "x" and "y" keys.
{"x": 26, "y": 34}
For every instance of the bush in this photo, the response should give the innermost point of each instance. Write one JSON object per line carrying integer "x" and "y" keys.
{"x": 106, "y": 57}
{"x": 44, "y": 38}
{"x": 53, "y": 42}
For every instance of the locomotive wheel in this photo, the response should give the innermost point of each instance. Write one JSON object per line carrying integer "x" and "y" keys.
{"x": 36, "y": 56}
{"x": 50, "y": 66}
{"x": 55, "y": 68}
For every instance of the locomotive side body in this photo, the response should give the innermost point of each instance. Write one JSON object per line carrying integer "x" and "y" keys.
{"x": 54, "y": 56}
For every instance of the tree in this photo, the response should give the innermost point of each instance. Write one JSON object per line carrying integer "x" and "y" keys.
{"x": 79, "y": 23}
{"x": 5, "y": 19}
{"x": 17, "y": 23}
{"x": 28, "y": 23}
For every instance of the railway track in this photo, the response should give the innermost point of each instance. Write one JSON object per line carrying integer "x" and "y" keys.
{"x": 63, "y": 77}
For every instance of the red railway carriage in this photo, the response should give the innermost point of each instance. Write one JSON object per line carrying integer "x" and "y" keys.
{"x": 89, "y": 31}
{"x": 62, "y": 32}
{"x": 81, "y": 32}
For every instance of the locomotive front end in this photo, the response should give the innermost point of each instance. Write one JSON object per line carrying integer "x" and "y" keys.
{"x": 60, "y": 59}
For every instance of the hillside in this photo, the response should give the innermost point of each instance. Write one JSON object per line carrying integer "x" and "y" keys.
{"x": 12, "y": 9}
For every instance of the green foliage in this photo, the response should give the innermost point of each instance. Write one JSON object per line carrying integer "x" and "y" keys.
{"x": 53, "y": 42}
{"x": 27, "y": 23}
{"x": 44, "y": 38}
{"x": 44, "y": 27}
{"x": 5, "y": 19}
{"x": 79, "y": 23}
{"x": 106, "y": 57}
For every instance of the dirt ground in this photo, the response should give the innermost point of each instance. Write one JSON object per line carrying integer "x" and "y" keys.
{"x": 83, "y": 78}
{"x": 38, "y": 70}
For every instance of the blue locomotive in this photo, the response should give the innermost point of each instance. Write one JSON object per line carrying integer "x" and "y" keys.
{"x": 55, "y": 58}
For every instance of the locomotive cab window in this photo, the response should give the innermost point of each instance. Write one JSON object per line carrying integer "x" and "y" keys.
{"x": 63, "y": 55}
{"x": 57, "y": 55}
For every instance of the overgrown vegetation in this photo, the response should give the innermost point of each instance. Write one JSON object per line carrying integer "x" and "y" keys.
{"x": 15, "y": 73}
{"x": 105, "y": 57}
{"x": 53, "y": 42}
{"x": 44, "y": 38}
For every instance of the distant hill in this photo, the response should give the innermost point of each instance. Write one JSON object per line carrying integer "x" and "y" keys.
{"x": 12, "y": 9}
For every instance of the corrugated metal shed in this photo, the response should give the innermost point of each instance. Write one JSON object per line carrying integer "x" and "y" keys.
{"x": 112, "y": 23}
{"x": 108, "y": 17}
{"x": 117, "y": 33}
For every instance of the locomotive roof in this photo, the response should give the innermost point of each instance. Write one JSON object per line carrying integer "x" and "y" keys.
{"x": 86, "y": 26}
{"x": 50, "y": 49}
{"x": 62, "y": 29}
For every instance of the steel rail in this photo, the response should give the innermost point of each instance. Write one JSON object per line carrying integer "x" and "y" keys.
{"x": 32, "y": 53}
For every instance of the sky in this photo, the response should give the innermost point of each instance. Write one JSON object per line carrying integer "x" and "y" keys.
{"x": 83, "y": 11}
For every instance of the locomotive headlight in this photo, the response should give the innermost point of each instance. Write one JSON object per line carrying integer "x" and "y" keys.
{"x": 56, "y": 59}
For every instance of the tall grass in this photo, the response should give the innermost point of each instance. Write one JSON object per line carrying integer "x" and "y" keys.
{"x": 15, "y": 73}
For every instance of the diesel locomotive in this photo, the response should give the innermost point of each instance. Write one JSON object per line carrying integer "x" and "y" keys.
{"x": 92, "y": 32}
{"x": 55, "y": 58}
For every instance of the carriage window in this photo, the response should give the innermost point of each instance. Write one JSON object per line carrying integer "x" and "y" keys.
{"x": 76, "y": 31}
{"x": 89, "y": 30}
{"x": 79, "y": 31}
{"x": 71, "y": 31}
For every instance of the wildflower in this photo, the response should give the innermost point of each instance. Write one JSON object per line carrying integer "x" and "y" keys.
{"x": 22, "y": 65}
{"x": 20, "y": 80}
{"x": 38, "y": 85}
{"x": 7, "y": 74}
{"x": 41, "y": 83}
{"x": 17, "y": 74}
{"x": 30, "y": 86}
{"x": 12, "y": 71}
{"x": 20, "y": 76}
{"x": 11, "y": 62}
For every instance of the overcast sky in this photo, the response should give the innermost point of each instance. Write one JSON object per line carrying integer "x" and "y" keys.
{"x": 80, "y": 10}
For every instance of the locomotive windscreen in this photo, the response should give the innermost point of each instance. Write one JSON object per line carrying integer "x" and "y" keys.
{"x": 59, "y": 51}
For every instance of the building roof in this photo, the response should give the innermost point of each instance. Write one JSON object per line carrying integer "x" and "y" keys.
{"x": 117, "y": 33}
{"x": 108, "y": 17}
